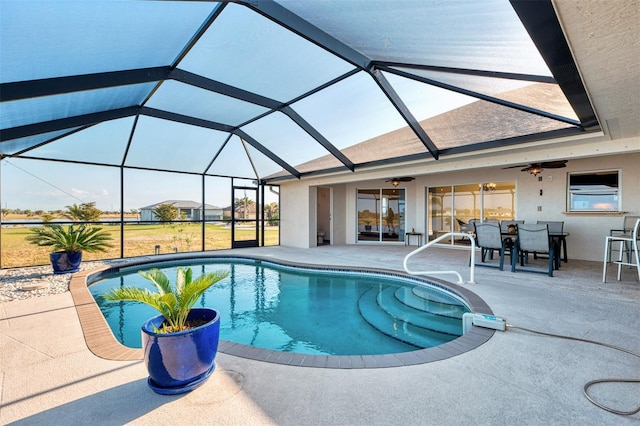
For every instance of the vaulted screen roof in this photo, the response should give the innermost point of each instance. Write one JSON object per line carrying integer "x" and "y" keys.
{"x": 272, "y": 89}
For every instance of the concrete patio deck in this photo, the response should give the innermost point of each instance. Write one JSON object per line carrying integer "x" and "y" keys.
{"x": 49, "y": 376}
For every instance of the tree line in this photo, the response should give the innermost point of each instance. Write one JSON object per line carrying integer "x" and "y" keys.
{"x": 86, "y": 212}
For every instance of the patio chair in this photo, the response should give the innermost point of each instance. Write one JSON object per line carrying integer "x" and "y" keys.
{"x": 624, "y": 240}
{"x": 555, "y": 227}
{"x": 466, "y": 227}
{"x": 556, "y": 230}
{"x": 488, "y": 239}
{"x": 534, "y": 239}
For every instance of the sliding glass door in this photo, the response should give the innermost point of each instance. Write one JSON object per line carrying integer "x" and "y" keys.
{"x": 454, "y": 208}
{"x": 440, "y": 199}
{"x": 381, "y": 215}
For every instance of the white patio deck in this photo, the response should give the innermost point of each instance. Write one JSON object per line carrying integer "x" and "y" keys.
{"x": 49, "y": 376}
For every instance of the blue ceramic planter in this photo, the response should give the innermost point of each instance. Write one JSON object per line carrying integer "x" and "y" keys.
{"x": 180, "y": 362}
{"x": 64, "y": 262}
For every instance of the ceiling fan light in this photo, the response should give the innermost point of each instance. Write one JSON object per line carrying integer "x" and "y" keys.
{"x": 535, "y": 170}
{"x": 488, "y": 187}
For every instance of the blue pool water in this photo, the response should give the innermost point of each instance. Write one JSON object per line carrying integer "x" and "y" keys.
{"x": 301, "y": 310}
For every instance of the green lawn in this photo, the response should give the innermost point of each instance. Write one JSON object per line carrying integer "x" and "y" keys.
{"x": 139, "y": 240}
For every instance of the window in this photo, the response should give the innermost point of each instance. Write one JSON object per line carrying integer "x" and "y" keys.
{"x": 594, "y": 191}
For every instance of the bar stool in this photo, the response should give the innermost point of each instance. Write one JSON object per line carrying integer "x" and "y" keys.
{"x": 622, "y": 239}
{"x": 626, "y": 230}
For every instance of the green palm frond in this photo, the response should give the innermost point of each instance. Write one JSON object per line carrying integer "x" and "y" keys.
{"x": 159, "y": 279}
{"x": 92, "y": 239}
{"x": 134, "y": 294}
{"x": 71, "y": 239}
{"x": 174, "y": 303}
{"x": 194, "y": 289}
{"x": 183, "y": 278}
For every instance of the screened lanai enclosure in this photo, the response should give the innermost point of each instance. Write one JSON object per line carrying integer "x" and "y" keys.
{"x": 126, "y": 106}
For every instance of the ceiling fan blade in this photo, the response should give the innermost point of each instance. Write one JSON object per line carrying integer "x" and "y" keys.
{"x": 542, "y": 165}
{"x": 401, "y": 179}
{"x": 554, "y": 164}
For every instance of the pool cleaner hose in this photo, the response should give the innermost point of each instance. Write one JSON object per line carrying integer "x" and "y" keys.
{"x": 586, "y": 387}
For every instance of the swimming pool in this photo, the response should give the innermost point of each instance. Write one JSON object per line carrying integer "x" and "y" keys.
{"x": 284, "y": 308}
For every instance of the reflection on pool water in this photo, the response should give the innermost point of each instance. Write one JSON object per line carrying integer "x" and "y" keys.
{"x": 302, "y": 310}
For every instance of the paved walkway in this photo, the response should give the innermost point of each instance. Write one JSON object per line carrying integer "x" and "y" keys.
{"x": 48, "y": 375}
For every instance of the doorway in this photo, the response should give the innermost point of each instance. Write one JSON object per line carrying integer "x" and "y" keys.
{"x": 324, "y": 224}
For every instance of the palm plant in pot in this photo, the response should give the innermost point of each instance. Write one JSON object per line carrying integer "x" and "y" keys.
{"x": 67, "y": 244}
{"x": 180, "y": 344}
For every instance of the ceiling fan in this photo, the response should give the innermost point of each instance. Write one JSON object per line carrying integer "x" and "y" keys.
{"x": 396, "y": 181}
{"x": 535, "y": 168}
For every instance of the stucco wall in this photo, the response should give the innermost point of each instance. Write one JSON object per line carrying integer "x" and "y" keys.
{"x": 587, "y": 230}
{"x": 295, "y": 219}
{"x": 339, "y": 214}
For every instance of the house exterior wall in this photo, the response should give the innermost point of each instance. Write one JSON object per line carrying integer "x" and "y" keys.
{"x": 313, "y": 215}
{"x": 339, "y": 215}
{"x": 295, "y": 211}
{"x": 587, "y": 230}
{"x": 147, "y": 215}
{"x": 213, "y": 214}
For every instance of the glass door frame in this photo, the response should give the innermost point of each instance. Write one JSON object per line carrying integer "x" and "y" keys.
{"x": 387, "y": 223}
{"x": 244, "y": 243}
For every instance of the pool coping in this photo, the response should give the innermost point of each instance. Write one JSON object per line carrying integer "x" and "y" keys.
{"x": 103, "y": 344}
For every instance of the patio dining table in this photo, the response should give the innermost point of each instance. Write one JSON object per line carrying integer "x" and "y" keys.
{"x": 558, "y": 239}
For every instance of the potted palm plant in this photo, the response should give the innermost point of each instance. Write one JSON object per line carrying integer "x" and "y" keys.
{"x": 67, "y": 244}
{"x": 180, "y": 344}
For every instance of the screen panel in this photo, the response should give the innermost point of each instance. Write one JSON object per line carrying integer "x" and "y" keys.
{"x": 246, "y": 50}
{"x": 44, "y": 39}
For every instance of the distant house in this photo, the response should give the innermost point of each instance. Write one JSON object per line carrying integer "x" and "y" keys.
{"x": 189, "y": 210}
{"x": 240, "y": 213}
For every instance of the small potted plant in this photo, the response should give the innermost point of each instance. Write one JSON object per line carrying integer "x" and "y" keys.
{"x": 180, "y": 344}
{"x": 67, "y": 244}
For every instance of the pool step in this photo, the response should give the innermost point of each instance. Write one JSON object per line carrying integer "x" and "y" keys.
{"x": 401, "y": 329}
{"x": 434, "y": 295}
{"x": 430, "y": 316}
{"x": 425, "y": 300}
